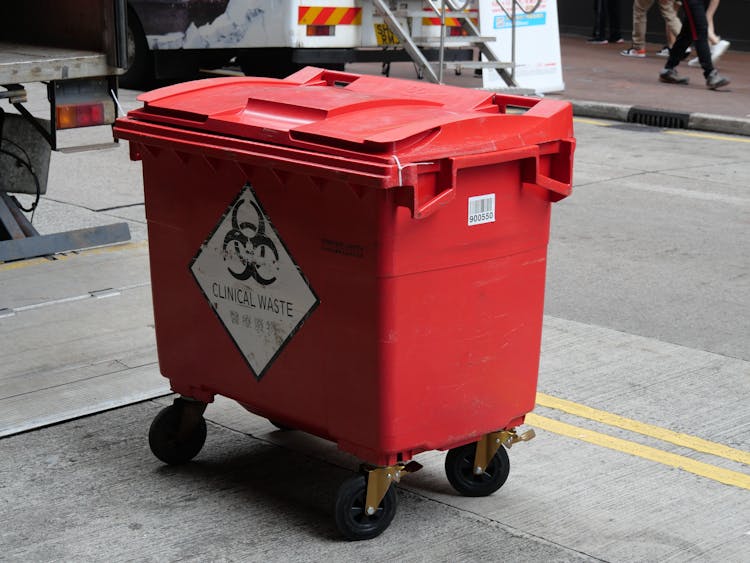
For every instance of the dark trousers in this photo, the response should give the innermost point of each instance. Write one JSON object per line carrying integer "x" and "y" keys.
{"x": 695, "y": 31}
{"x": 607, "y": 10}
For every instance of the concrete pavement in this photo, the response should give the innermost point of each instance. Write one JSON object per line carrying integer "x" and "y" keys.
{"x": 90, "y": 490}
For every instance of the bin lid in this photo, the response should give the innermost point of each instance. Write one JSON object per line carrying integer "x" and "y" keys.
{"x": 339, "y": 112}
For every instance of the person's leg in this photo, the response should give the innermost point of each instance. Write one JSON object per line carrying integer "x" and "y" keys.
{"x": 676, "y": 54}
{"x": 598, "y": 32}
{"x": 640, "y": 10}
{"x": 670, "y": 36}
{"x": 681, "y": 43}
{"x": 718, "y": 45}
{"x": 710, "y": 11}
{"x": 697, "y": 29}
{"x": 613, "y": 10}
{"x": 666, "y": 7}
{"x": 603, "y": 17}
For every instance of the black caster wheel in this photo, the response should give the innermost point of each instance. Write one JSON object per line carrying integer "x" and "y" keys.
{"x": 351, "y": 515}
{"x": 459, "y": 468}
{"x": 177, "y": 434}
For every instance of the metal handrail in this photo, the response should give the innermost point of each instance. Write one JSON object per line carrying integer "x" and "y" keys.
{"x": 517, "y": 3}
{"x": 512, "y": 17}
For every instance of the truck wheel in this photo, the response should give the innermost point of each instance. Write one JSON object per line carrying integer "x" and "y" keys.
{"x": 269, "y": 64}
{"x": 459, "y": 468}
{"x": 352, "y": 519}
{"x": 173, "y": 437}
{"x": 139, "y": 72}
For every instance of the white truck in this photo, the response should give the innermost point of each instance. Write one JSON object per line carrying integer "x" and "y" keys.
{"x": 274, "y": 38}
{"x": 76, "y": 48}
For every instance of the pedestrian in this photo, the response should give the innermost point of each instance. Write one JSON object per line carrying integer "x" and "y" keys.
{"x": 669, "y": 34}
{"x": 640, "y": 10}
{"x": 606, "y": 11}
{"x": 718, "y": 45}
{"x": 695, "y": 31}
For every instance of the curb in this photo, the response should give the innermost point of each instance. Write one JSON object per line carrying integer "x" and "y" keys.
{"x": 631, "y": 114}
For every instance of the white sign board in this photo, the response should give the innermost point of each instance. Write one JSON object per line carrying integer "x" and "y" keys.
{"x": 538, "y": 64}
{"x": 252, "y": 283}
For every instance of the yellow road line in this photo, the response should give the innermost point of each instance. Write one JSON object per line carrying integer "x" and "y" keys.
{"x": 709, "y": 136}
{"x": 677, "y": 438}
{"x": 100, "y": 250}
{"x": 706, "y": 470}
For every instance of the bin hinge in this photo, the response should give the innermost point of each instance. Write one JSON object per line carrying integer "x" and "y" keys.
{"x": 488, "y": 445}
{"x": 379, "y": 479}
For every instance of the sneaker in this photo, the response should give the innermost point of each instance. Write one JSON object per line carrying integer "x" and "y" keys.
{"x": 670, "y": 76}
{"x": 618, "y": 41}
{"x": 716, "y": 80}
{"x": 596, "y": 41}
{"x": 716, "y": 53}
{"x": 663, "y": 52}
{"x": 633, "y": 52}
{"x": 718, "y": 50}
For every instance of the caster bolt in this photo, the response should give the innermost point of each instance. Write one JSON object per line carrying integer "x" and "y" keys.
{"x": 370, "y": 511}
{"x": 478, "y": 471}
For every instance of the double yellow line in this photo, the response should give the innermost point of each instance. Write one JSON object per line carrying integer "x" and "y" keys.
{"x": 726, "y": 476}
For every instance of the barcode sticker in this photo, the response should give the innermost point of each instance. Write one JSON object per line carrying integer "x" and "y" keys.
{"x": 481, "y": 209}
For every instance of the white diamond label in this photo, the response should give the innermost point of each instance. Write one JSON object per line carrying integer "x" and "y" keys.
{"x": 481, "y": 209}
{"x": 252, "y": 282}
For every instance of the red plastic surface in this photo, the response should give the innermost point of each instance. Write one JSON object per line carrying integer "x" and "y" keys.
{"x": 428, "y": 330}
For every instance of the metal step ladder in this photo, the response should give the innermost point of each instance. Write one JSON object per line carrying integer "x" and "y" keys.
{"x": 444, "y": 9}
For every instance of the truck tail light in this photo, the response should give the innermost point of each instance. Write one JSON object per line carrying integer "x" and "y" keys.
{"x": 321, "y": 30}
{"x": 80, "y": 115}
{"x": 82, "y": 102}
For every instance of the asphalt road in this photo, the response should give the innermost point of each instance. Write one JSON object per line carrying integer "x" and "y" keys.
{"x": 643, "y": 424}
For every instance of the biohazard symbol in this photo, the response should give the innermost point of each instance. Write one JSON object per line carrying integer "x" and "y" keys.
{"x": 247, "y": 245}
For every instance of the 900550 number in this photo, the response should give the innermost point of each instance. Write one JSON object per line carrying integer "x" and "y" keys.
{"x": 481, "y": 218}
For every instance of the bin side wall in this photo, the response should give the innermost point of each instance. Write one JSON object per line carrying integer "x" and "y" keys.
{"x": 461, "y": 313}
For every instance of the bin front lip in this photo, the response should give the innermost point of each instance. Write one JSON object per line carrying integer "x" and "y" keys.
{"x": 382, "y": 174}
{"x": 382, "y": 171}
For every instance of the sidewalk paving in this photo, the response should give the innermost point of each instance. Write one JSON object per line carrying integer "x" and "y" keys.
{"x": 603, "y": 83}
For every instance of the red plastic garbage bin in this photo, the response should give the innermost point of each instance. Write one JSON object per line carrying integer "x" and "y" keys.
{"x": 358, "y": 257}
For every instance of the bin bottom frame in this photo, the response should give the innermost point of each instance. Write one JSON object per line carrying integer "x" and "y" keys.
{"x": 370, "y": 494}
